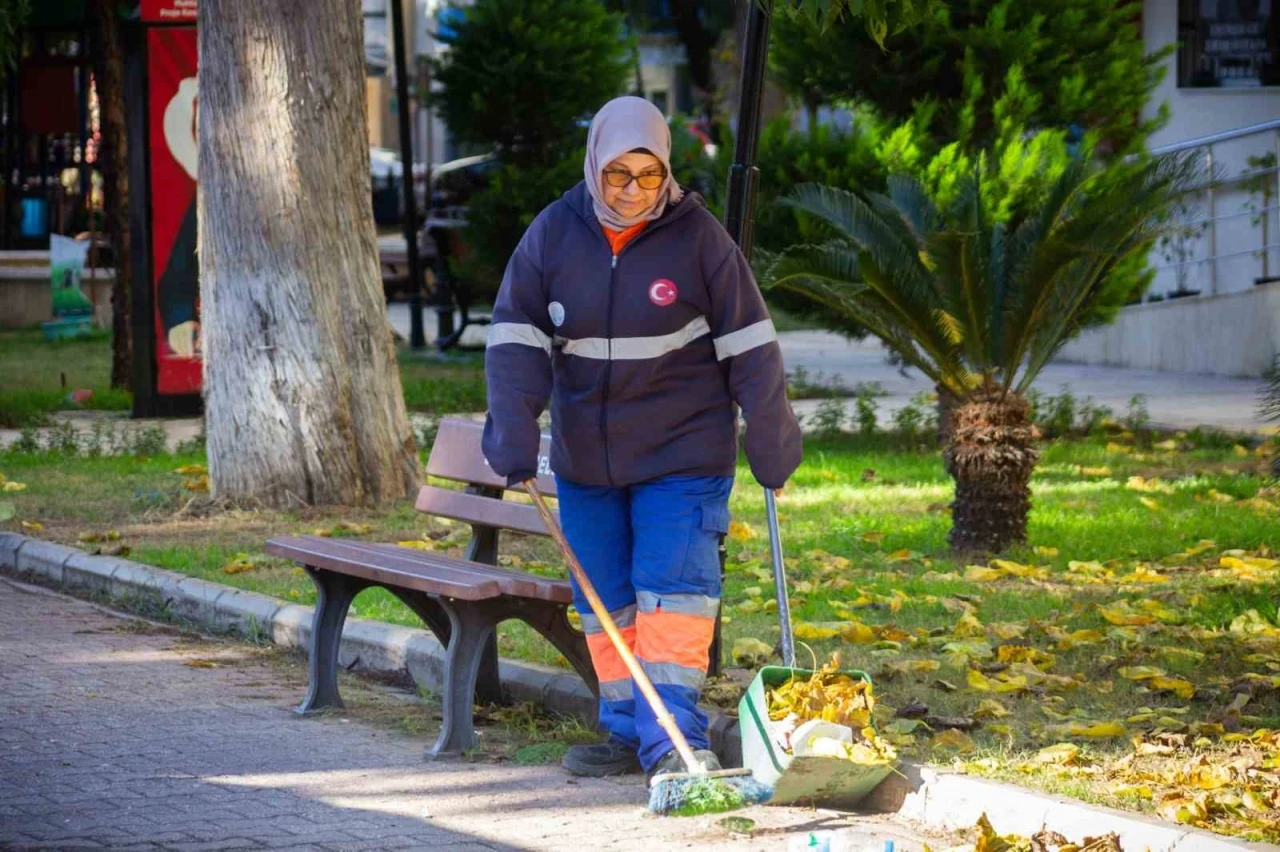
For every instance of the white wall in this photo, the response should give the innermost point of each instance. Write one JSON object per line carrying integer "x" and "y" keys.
{"x": 1235, "y": 334}
{"x": 1200, "y": 112}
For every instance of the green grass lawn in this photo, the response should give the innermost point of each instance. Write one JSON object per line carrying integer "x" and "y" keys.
{"x": 37, "y": 375}
{"x": 1137, "y": 557}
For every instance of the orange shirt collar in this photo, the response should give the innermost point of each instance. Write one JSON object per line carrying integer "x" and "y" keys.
{"x": 619, "y": 239}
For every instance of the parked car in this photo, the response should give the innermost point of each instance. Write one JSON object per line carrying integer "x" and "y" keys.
{"x": 385, "y": 171}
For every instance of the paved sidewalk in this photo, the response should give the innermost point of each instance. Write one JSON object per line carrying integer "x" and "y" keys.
{"x": 1176, "y": 400}
{"x": 109, "y": 738}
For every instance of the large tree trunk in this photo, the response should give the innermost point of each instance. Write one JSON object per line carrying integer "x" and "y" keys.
{"x": 302, "y": 394}
{"x": 991, "y": 455}
{"x": 108, "y": 70}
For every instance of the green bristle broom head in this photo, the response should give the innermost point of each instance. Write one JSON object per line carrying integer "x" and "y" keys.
{"x": 686, "y": 795}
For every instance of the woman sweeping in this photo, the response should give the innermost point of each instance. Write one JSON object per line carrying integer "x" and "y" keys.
{"x": 630, "y": 308}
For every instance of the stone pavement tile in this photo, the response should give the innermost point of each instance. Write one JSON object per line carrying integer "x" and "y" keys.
{"x": 180, "y": 758}
{"x": 221, "y": 845}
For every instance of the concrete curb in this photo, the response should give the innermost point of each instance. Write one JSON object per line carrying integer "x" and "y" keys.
{"x": 921, "y": 794}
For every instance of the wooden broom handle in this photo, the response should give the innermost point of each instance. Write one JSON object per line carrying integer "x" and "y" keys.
{"x": 664, "y": 717}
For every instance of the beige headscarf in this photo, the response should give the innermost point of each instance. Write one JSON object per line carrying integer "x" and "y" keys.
{"x": 622, "y": 125}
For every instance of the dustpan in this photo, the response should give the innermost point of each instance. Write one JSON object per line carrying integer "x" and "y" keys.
{"x": 808, "y": 780}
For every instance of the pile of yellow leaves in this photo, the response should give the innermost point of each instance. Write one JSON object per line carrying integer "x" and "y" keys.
{"x": 196, "y": 477}
{"x": 835, "y": 697}
{"x": 988, "y": 840}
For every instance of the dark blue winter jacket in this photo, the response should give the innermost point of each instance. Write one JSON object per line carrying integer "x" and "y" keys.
{"x": 643, "y": 354}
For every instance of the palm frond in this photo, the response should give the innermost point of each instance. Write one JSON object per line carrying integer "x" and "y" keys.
{"x": 970, "y": 292}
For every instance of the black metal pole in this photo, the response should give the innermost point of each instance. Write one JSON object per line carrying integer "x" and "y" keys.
{"x": 417, "y": 340}
{"x": 741, "y": 197}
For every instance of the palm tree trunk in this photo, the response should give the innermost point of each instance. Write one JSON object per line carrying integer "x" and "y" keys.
{"x": 991, "y": 456}
{"x": 947, "y": 403}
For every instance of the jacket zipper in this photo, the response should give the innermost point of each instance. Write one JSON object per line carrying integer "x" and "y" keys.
{"x": 608, "y": 369}
{"x": 608, "y": 364}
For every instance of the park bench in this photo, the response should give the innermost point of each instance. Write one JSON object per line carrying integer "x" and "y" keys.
{"x": 461, "y": 600}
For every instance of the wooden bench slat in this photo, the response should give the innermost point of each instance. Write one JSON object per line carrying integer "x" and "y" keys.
{"x": 456, "y": 455}
{"x": 515, "y": 583}
{"x": 435, "y": 573}
{"x": 474, "y": 509}
{"x": 386, "y": 568}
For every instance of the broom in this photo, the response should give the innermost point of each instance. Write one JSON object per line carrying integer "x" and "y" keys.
{"x": 697, "y": 790}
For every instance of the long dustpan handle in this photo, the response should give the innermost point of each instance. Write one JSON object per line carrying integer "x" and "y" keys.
{"x": 660, "y": 711}
{"x": 780, "y": 581}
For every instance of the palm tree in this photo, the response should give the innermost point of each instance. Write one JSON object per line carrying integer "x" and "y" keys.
{"x": 977, "y": 284}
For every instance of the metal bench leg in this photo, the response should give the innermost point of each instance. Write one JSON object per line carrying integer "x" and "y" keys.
{"x": 334, "y": 593}
{"x": 488, "y": 687}
{"x": 553, "y": 623}
{"x": 471, "y": 626}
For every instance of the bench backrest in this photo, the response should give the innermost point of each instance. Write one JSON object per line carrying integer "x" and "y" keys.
{"x": 456, "y": 455}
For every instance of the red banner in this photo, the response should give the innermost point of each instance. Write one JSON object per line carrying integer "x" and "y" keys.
{"x": 168, "y": 11}
{"x": 171, "y": 109}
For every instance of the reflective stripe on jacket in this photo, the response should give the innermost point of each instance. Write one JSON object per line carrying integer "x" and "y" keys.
{"x": 643, "y": 354}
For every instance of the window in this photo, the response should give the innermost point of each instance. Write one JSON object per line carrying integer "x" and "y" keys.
{"x": 659, "y": 99}
{"x": 1228, "y": 44}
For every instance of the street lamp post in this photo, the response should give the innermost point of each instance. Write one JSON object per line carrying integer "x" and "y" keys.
{"x": 417, "y": 339}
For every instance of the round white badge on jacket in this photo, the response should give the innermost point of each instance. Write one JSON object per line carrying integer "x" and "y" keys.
{"x": 557, "y": 313}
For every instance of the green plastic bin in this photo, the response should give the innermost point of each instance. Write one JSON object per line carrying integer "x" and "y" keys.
{"x": 817, "y": 781}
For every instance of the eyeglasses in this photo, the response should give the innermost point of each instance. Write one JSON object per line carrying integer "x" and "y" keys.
{"x": 621, "y": 179}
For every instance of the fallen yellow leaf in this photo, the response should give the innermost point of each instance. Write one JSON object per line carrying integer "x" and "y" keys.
{"x": 1121, "y": 615}
{"x": 238, "y": 564}
{"x": 1140, "y": 672}
{"x": 33, "y": 526}
{"x": 1097, "y": 731}
{"x": 750, "y": 652}
{"x": 813, "y": 632}
{"x": 1182, "y": 809}
{"x": 982, "y": 574}
{"x": 872, "y": 537}
{"x": 953, "y": 739}
{"x": 741, "y": 531}
{"x": 857, "y": 633}
{"x": 1061, "y": 754}
{"x": 1184, "y": 689}
{"x": 990, "y": 709}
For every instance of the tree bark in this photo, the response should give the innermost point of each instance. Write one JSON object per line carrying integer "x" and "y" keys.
{"x": 302, "y": 393}
{"x": 991, "y": 456}
{"x": 113, "y": 154}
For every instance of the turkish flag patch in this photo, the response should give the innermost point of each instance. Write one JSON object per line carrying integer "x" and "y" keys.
{"x": 663, "y": 292}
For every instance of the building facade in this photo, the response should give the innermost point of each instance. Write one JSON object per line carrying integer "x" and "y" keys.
{"x": 1214, "y": 306}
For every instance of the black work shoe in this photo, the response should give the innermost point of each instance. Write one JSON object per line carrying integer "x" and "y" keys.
{"x": 671, "y": 763}
{"x": 600, "y": 760}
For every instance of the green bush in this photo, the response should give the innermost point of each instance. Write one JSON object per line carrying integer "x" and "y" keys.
{"x": 1085, "y": 63}
{"x": 500, "y": 213}
{"x": 519, "y": 74}
{"x": 518, "y": 79}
